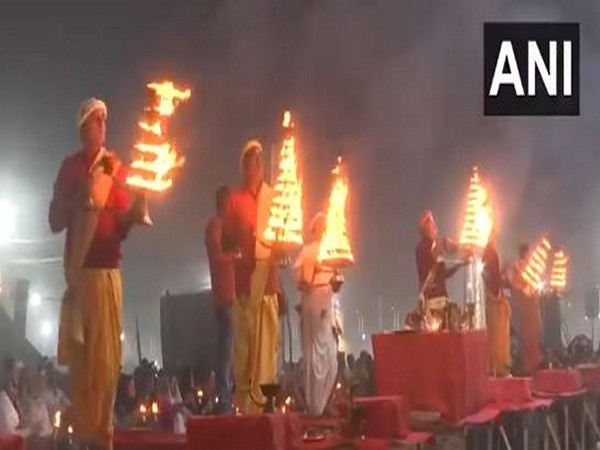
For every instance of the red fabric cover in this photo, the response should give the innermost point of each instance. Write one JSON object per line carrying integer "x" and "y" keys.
{"x": 444, "y": 372}
{"x": 11, "y": 442}
{"x": 386, "y": 416}
{"x": 256, "y": 432}
{"x": 334, "y": 442}
{"x": 148, "y": 440}
{"x": 590, "y": 376}
{"x": 557, "y": 381}
{"x": 510, "y": 390}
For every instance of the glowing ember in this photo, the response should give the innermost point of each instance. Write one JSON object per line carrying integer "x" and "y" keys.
{"x": 535, "y": 269}
{"x": 285, "y": 217}
{"x": 477, "y": 224}
{"x": 558, "y": 275}
{"x": 335, "y": 250}
{"x": 156, "y": 156}
{"x": 435, "y": 324}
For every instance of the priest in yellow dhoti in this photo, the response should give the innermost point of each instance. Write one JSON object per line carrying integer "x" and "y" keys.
{"x": 95, "y": 212}
{"x": 497, "y": 311}
{"x": 255, "y": 312}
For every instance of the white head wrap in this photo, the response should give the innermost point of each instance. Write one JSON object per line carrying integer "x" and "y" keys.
{"x": 252, "y": 144}
{"x": 88, "y": 107}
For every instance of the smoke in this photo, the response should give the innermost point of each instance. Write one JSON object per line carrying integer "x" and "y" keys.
{"x": 395, "y": 87}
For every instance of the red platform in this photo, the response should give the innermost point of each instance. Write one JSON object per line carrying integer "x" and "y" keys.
{"x": 9, "y": 442}
{"x": 590, "y": 376}
{"x": 444, "y": 372}
{"x": 557, "y": 381}
{"x": 148, "y": 440}
{"x": 386, "y": 417}
{"x": 257, "y": 432}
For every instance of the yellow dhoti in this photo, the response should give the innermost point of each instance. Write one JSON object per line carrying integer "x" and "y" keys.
{"x": 95, "y": 365}
{"x": 256, "y": 340}
{"x": 90, "y": 328}
{"x": 498, "y": 327}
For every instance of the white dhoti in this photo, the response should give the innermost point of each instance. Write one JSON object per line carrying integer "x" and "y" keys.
{"x": 319, "y": 347}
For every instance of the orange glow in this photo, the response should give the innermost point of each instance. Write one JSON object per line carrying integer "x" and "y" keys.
{"x": 478, "y": 220}
{"x": 57, "y": 419}
{"x": 335, "y": 250}
{"x": 154, "y": 408}
{"x": 435, "y": 324}
{"x": 168, "y": 96}
{"x": 143, "y": 409}
{"x": 558, "y": 276}
{"x": 156, "y": 157}
{"x": 285, "y": 216}
{"x": 535, "y": 269}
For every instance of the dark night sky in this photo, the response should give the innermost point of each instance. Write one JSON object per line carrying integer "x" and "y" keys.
{"x": 393, "y": 85}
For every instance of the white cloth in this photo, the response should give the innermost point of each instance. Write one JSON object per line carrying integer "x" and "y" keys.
{"x": 39, "y": 418}
{"x": 306, "y": 266}
{"x": 319, "y": 347}
{"x": 9, "y": 417}
{"x": 88, "y": 107}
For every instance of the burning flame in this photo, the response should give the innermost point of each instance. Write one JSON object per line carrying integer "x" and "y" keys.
{"x": 70, "y": 429}
{"x": 154, "y": 408}
{"x": 478, "y": 222}
{"x": 335, "y": 250}
{"x": 435, "y": 324}
{"x": 535, "y": 269}
{"x": 156, "y": 156}
{"x": 143, "y": 410}
{"x": 558, "y": 276}
{"x": 57, "y": 419}
{"x": 168, "y": 97}
{"x": 285, "y": 217}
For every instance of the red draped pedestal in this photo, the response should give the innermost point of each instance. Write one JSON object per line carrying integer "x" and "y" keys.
{"x": 148, "y": 440}
{"x": 9, "y": 442}
{"x": 444, "y": 372}
{"x": 510, "y": 390}
{"x": 557, "y": 381}
{"x": 258, "y": 432}
{"x": 590, "y": 376}
{"x": 386, "y": 417}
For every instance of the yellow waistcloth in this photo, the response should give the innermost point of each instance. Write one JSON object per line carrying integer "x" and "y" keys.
{"x": 90, "y": 326}
{"x": 94, "y": 365}
{"x": 256, "y": 340}
{"x": 498, "y": 327}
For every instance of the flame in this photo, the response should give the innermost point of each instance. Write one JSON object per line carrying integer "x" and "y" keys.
{"x": 478, "y": 221}
{"x": 285, "y": 216}
{"x": 335, "y": 250}
{"x": 168, "y": 97}
{"x": 156, "y": 156}
{"x": 435, "y": 324}
{"x": 70, "y": 429}
{"x": 200, "y": 394}
{"x": 57, "y": 419}
{"x": 143, "y": 409}
{"x": 288, "y": 400}
{"x": 558, "y": 275}
{"x": 154, "y": 408}
{"x": 535, "y": 269}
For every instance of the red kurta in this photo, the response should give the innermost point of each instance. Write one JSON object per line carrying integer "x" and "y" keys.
{"x": 111, "y": 229}
{"x": 243, "y": 226}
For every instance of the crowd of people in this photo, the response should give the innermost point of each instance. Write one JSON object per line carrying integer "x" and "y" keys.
{"x": 31, "y": 403}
